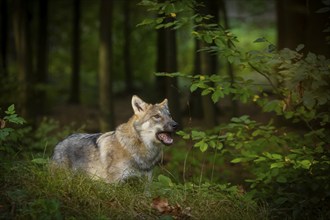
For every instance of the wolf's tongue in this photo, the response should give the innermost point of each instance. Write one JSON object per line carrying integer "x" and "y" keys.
{"x": 165, "y": 138}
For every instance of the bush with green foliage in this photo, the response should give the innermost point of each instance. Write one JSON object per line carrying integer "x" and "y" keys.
{"x": 9, "y": 136}
{"x": 18, "y": 139}
{"x": 289, "y": 165}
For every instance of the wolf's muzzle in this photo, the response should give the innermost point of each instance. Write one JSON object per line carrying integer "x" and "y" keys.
{"x": 165, "y": 136}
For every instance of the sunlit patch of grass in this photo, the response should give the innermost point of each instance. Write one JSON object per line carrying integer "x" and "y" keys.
{"x": 30, "y": 191}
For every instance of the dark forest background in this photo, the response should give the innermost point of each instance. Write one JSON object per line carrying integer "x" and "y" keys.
{"x": 248, "y": 80}
{"x": 82, "y": 60}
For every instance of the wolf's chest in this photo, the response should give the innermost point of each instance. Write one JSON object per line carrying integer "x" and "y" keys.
{"x": 146, "y": 162}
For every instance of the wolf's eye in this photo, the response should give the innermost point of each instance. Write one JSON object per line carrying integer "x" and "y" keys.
{"x": 157, "y": 116}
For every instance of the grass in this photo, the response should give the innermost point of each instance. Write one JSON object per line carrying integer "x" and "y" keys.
{"x": 31, "y": 191}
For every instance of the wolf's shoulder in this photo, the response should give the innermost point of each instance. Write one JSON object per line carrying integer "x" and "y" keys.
{"x": 106, "y": 137}
{"x": 80, "y": 139}
{"x": 84, "y": 136}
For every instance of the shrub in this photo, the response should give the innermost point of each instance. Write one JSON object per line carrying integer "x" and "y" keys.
{"x": 288, "y": 165}
{"x": 10, "y": 137}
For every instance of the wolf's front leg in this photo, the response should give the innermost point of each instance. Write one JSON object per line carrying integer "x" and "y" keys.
{"x": 149, "y": 176}
{"x": 148, "y": 183}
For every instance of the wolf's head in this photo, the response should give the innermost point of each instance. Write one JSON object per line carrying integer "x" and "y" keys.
{"x": 153, "y": 123}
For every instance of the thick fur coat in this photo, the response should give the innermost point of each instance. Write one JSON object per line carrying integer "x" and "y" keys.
{"x": 133, "y": 149}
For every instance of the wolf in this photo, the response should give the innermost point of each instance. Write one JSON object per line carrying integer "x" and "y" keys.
{"x": 133, "y": 149}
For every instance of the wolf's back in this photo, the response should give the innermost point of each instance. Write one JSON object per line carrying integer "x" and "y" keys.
{"x": 76, "y": 150}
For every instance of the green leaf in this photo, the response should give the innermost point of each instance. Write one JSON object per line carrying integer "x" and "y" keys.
{"x": 198, "y": 19}
{"x": 281, "y": 179}
{"x": 159, "y": 26}
{"x": 201, "y": 145}
{"x": 237, "y": 160}
{"x": 197, "y": 134}
{"x": 277, "y": 156}
{"x": 305, "y": 164}
{"x": 145, "y": 22}
{"x": 4, "y": 132}
{"x": 217, "y": 95}
{"x": 212, "y": 144}
{"x": 193, "y": 87}
{"x": 10, "y": 110}
{"x": 220, "y": 146}
{"x": 13, "y": 118}
{"x": 277, "y": 165}
{"x": 215, "y": 78}
{"x": 274, "y": 105}
{"x": 165, "y": 180}
{"x": 206, "y": 91}
{"x": 183, "y": 134}
{"x": 159, "y": 20}
{"x": 260, "y": 40}
{"x": 256, "y": 133}
{"x": 260, "y": 159}
{"x": 309, "y": 100}
{"x": 207, "y": 39}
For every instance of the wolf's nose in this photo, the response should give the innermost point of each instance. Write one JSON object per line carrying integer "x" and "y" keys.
{"x": 174, "y": 125}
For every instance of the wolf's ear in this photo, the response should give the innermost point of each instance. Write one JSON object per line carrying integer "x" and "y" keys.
{"x": 165, "y": 102}
{"x": 139, "y": 106}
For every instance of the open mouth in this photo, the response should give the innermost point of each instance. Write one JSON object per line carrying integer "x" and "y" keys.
{"x": 165, "y": 137}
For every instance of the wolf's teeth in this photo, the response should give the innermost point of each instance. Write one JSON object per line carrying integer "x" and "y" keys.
{"x": 165, "y": 138}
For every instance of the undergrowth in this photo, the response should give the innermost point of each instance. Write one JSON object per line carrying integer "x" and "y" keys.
{"x": 35, "y": 191}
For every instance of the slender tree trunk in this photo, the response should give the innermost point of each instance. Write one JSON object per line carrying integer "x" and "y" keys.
{"x": 42, "y": 55}
{"x": 75, "y": 77}
{"x": 3, "y": 37}
{"x": 234, "y": 104}
{"x": 195, "y": 101}
{"x": 167, "y": 62}
{"x": 161, "y": 62}
{"x": 24, "y": 58}
{"x": 172, "y": 90}
{"x": 127, "y": 46}
{"x": 209, "y": 66}
{"x": 207, "y": 103}
{"x": 105, "y": 75}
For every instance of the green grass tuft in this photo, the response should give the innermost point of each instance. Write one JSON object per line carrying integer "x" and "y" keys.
{"x": 31, "y": 191}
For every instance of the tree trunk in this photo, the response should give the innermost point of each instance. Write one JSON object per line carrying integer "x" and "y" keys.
{"x": 234, "y": 104}
{"x": 172, "y": 90}
{"x": 209, "y": 109}
{"x": 161, "y": 62}
{"x": 127, "y": 47}
{"x": 24, "y": 57}
{"x": 195, "y": 100}
{"x": 298, "y": 23}
{"x": 209, "y": 65}
{"x": 3, "y": 38}
{"x": 75, "y": 77}
{"x": 105, "y": 75}
{"x": 167, "y": 62}
{"x": 42, "y": 56}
